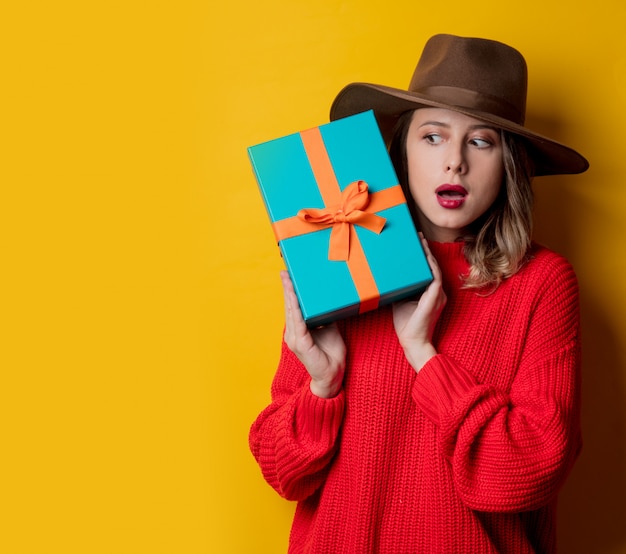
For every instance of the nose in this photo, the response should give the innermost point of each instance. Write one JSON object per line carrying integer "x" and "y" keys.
{"x": 455, "y": 160}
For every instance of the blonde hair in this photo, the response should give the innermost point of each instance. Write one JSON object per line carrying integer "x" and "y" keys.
{"x": 498, "y": 243}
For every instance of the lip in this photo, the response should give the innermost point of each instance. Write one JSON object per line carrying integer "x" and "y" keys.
{"x": 451, "y": 197}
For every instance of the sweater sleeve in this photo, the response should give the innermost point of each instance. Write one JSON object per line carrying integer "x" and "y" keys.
{"x": 510, "y": 451}
{"x": 295, "y": 437}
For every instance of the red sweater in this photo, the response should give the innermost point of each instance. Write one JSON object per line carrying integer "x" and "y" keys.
{"x": 465, "y": 457}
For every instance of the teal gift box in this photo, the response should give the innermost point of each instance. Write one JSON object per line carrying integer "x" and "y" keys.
{"x": 340, "y": 218}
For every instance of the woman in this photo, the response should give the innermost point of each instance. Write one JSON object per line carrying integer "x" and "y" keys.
{"x": 448, "y": 423}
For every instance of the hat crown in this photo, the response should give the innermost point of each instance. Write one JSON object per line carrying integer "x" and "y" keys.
{"x": 473, "y": 73}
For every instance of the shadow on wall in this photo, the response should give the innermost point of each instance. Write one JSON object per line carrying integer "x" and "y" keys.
{"x": 592, "y": 506}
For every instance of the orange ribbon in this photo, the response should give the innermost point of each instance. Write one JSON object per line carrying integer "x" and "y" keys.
{"x": 354, "y": 199}
{"x": 354, "y": 206}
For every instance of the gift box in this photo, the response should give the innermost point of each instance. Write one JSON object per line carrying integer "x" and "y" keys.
{"x": 340, "y": 218}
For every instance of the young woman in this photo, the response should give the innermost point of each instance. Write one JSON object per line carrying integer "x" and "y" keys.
{"x": 447, "y": 423}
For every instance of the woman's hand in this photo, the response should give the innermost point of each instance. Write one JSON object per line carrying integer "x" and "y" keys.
{"x": 322, "y": 350}
{"x": 415, "y": 320}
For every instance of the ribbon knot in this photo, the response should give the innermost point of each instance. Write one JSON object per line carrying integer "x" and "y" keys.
{"x": 352, "y": 210}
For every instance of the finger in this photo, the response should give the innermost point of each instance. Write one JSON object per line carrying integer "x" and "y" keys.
{"x": 290, "y": 303}
{"x": 430, "y": 258}
{"x": 294, "y": 320}
{"x": 288, "y": 290}
{"x": 286, "y": 283}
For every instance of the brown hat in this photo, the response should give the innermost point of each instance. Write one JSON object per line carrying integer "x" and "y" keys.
{"x": 477, "y": 77}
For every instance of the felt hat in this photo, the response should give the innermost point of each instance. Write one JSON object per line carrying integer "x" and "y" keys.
{"x": 477, "y": 77}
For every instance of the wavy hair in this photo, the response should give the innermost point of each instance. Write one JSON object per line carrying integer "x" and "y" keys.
{"x": 498, "y": 242}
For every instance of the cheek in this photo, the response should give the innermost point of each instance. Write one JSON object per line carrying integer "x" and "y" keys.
{"x": 419, "y": 171}
{"x": 493, "y": 188}
{"x": 416, "y": 183}
{"x": 493, "y": 178}
{"x": 498, "y": 182}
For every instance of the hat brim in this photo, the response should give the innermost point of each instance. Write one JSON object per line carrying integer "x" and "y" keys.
{"x": 551, "y": 157}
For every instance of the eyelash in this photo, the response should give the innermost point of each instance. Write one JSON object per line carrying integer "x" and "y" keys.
{"x": 429, "y": 137}
{"x": 486, "y": 141}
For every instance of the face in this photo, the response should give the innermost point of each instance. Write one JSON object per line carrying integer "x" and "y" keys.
{"x": 455, "y": 170}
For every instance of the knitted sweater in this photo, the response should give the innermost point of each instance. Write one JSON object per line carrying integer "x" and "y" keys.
{"x": 465, "y": 457}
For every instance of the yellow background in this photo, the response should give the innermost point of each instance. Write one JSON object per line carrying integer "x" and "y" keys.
{"x": 141, "y": 303}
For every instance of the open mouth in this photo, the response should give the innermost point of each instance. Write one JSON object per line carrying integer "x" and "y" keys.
{"x": 451, "y": 196}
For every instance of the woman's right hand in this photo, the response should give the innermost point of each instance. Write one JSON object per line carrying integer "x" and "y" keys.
{"x": 322, "y": 350}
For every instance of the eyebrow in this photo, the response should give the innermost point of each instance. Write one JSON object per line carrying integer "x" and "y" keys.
{"x": 472, "y": 127}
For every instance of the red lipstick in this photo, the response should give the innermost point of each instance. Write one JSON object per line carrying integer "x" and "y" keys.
{"x": 451, "y": 196}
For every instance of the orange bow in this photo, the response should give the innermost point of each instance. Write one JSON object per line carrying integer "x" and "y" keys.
{"x": 354, "y": 199}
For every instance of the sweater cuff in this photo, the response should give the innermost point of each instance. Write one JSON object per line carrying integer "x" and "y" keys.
{"x": 318, "y": 418}
{"x": 439, "y": 385}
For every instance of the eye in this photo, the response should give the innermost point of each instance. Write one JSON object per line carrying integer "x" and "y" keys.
{"x": 433, "y": 138}
{"x": 480, "y": 142}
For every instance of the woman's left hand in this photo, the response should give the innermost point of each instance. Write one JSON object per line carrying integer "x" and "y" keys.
{"x": 415, "y": 320}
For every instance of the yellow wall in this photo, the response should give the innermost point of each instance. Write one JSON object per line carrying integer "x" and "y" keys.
{"x": 141, "y": 300}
